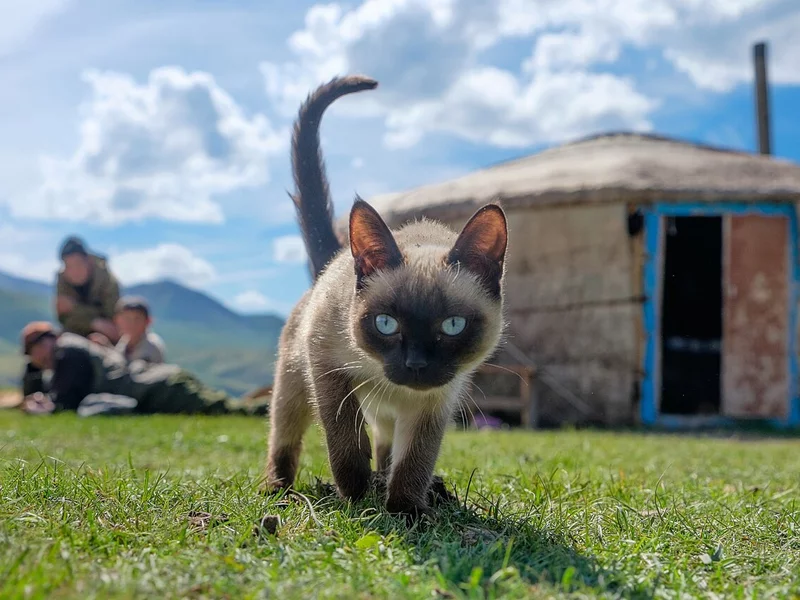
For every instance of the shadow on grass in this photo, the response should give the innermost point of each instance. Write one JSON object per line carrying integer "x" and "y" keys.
{"x": 473, "y": 545}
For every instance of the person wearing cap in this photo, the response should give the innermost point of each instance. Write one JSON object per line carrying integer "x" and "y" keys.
{"x": 86, "y": 292}
{"x": 34, "y": 381}
{"x": 94, "y": 379}
{"x": 137, "y": 342}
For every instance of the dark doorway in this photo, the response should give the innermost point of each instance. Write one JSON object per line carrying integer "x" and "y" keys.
{"x": 691, "y": 316}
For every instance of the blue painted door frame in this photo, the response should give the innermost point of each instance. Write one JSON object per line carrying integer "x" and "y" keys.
{"x": 654, "y": 215}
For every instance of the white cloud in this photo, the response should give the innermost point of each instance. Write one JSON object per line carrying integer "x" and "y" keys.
{"x": 719, "y": 58}
{"x": 429, "y": 57}
{"x": 289, "y": 249}
{"x": 163, "y": 149}
{"x": 568, "y": 50}
{"x": 21, "y": 265}
{"x": 426, "y": 56}
{"x": 29, "y": 253}
{"x": 708, "y": 40}
{"x": 251, "y": 301}
{"x": 165, "y": 261}
{"x": 489, "y": 105}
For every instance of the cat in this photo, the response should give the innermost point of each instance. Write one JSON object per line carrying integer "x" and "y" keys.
{"x": 389, "y": 334}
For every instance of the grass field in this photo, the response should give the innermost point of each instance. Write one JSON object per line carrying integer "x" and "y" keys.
{"x": 166, "y": 507}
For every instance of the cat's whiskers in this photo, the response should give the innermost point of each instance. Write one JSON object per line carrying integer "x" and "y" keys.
{"x": 354, "y": 390}
{"x": 463, "y": 407}
{"x": 362, "y": 411}
{"x": 387, "y": 385}
{"x": 461, "y": 411}
{"x": 383, "y": 394}
{"x": 383, "y": 386}
{"x": 476, "y": 386}
{"x": 474, "y": 402}
{"x": 502, "y": 368}
{"x": 458, "y": 272}
{"x": 380, "y": 386}
{"x": 352, "y": 367}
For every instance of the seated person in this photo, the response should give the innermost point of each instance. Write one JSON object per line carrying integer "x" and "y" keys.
{"x": 132, "y": 318}
{"x": 82, "y": 368}
{"x": 86, "y": 292}
{"x": 33, "y": 379}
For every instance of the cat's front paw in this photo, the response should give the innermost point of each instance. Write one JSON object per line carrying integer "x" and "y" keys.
{"x": 353, "y": 485}
{"x": 273, "y": 484}
{"x": 379, "y": 482}
{"x": 410, "y": 508}
{"x": 439, "y": 494}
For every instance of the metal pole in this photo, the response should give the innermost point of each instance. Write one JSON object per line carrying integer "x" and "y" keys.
{"x": 762, "y": 98}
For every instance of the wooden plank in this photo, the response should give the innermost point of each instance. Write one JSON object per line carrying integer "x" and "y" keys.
{"x": 755, "y": 338}
{"x": 510, "y": 403}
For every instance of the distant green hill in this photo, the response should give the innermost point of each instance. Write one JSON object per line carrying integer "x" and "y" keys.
{"x": 10, "y": 283}
{"x": 227, "y": 350}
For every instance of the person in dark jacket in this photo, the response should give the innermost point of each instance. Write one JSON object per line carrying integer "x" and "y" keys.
{"x": 91, "y": 379}
{"x": 86, "y": 292}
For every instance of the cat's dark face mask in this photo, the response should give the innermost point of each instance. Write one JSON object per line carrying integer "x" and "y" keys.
{"x": 426, "y": 313}
{"x": 422, "y": 339}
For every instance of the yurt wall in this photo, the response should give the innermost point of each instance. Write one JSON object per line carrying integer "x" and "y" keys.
{"x": 574, "y": 306}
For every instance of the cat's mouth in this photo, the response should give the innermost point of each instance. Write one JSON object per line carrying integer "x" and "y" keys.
{"x": 420, "y": 381}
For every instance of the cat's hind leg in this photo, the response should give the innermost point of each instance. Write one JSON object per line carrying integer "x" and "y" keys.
{"x": 290, "y": 416}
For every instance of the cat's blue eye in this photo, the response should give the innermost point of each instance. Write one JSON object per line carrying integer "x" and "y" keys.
{"x": 454, "y": 325}
{"x": 386, "y": 324}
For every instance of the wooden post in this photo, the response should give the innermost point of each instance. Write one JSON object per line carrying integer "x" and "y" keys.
{"x": 762, "y": 98}
{"x": 525, "y": 402}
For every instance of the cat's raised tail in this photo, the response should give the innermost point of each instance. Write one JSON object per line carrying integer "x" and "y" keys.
{"x": 312, "y": 197}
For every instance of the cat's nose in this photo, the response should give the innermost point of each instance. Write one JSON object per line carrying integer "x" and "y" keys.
{"x": 416, "y": 364}
{"x": 416, "y": 361}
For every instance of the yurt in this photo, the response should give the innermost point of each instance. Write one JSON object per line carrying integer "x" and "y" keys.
{"x": 649, "y": 279}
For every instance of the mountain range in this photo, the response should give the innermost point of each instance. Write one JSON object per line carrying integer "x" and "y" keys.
{"x": 227, "y": 350}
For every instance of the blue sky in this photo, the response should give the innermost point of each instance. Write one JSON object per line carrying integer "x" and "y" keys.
{"x": 158, "y": 129}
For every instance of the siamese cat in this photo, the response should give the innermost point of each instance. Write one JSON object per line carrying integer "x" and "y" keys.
{"x": 389, "y": 335}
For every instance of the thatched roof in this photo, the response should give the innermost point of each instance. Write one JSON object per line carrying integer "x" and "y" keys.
{"x": 607, "y": 168}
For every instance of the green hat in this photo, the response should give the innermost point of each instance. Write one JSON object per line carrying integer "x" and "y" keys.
{"x": 73, "y": 245}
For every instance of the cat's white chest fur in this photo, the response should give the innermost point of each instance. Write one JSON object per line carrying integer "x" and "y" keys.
{"x": 382, "y": 401}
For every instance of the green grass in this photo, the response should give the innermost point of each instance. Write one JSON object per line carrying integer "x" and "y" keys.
{"x": 103, "y": 508}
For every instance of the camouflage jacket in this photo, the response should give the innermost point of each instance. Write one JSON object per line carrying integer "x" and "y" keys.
{"x": 101, "y": 298}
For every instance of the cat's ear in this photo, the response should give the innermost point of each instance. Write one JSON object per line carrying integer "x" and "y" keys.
{"x": 371, "y": 242}
{"x": 481, "y": 247}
